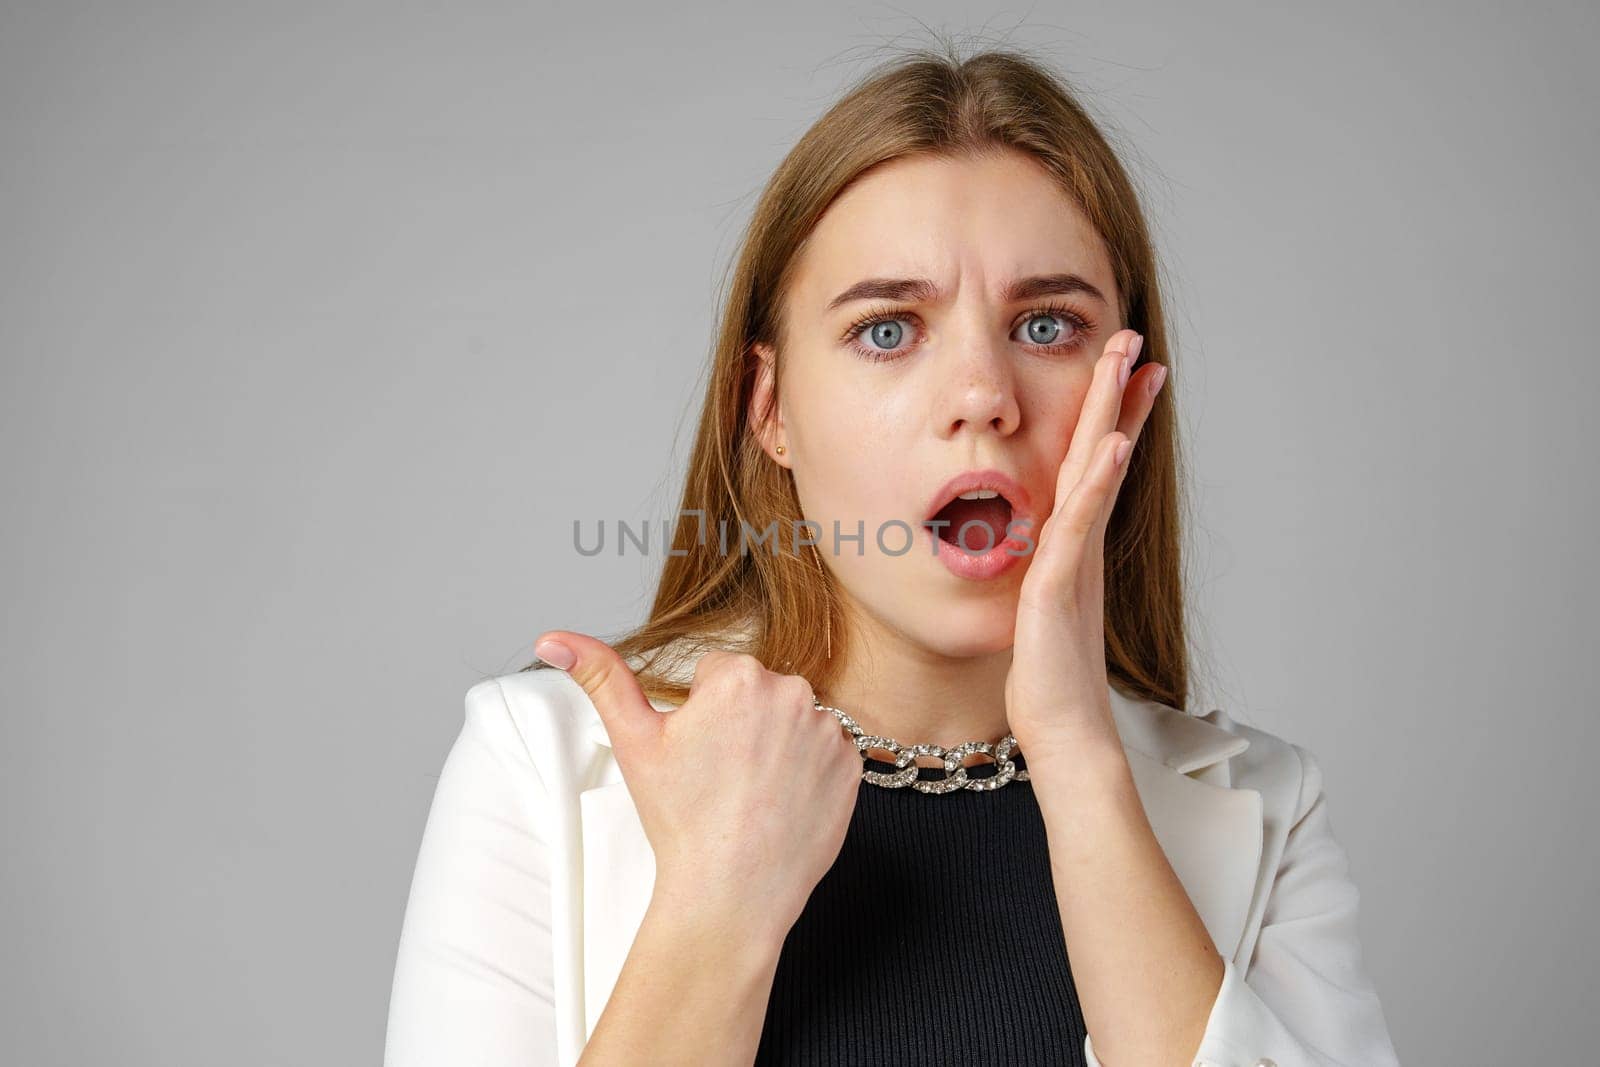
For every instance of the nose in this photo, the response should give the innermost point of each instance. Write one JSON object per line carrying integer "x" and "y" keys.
{"x": 978, "y": 391}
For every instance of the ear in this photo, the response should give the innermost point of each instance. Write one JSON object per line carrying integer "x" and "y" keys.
{"x": 765, "y": 415}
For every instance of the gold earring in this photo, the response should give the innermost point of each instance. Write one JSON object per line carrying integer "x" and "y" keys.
{"x": 780, "y": 450}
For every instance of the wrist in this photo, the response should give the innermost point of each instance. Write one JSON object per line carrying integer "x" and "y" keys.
{"x": 1095, "y": 768}
{"x": 1094, "y": 746}
{"x": 720, "y": 915}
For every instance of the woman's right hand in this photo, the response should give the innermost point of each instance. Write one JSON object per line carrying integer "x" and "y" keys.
{"x": 745, "y": 791}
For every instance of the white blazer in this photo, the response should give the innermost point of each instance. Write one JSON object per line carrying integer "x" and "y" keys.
{"x": 534, "y": 874}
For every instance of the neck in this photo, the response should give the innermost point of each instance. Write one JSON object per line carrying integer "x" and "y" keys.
{"x": 896, "y": 688}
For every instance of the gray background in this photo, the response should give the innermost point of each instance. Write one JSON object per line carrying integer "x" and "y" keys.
{"x": 321, "y": 322}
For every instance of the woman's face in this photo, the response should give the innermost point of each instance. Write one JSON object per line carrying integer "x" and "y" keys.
{"x": 970, "y": 347}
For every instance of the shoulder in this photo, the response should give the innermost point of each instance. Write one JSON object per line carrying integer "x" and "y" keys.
{"x": 1213, "y": 747}
{"x": 1279, "y": 768}
{"x": 544, "y": 703}
{"x": 542, "y": 720}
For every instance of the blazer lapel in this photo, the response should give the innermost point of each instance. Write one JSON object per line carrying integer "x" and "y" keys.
{"x": 618, "y": 877}
{"x": 1212, "y": 835}
{"x": 619, "y": 872}
{"x": 1211, "y": 832}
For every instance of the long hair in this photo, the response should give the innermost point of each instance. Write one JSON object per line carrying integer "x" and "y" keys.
{"x": 780, "y": 605}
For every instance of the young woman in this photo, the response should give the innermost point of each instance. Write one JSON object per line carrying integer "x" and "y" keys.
{"x": 864, "y": 789}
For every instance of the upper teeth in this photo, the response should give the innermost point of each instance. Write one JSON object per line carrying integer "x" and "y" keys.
{"x": 980, "y": 494}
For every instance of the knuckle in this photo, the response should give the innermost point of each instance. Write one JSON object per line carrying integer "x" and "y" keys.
{"x": 1050, "y": 592}
{"x": 744, "y": 673}
{"x": 708, "y": 664}
{"x": 1081, "y": 511}
{"x": 599, "y": 683}
{"x": 722, "y": 666}
{"x": 603, "y": 684}
{"x": 1081, "y": 523}
{"x": 731, "y": 679}
{"x": 798, "y": 688}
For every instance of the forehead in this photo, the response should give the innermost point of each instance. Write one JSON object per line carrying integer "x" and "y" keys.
{"x": 980, "y": 220}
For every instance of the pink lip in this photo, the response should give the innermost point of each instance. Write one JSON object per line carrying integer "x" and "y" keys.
{"x": 1005, "y": 555}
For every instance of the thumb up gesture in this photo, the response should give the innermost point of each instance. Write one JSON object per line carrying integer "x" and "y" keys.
{"x": 745, "y": 791}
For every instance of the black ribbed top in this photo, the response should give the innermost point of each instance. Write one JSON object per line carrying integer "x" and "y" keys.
{"x": 933, "y": 939}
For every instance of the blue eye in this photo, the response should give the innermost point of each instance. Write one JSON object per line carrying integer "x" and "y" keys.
{"x": 886, "y": 333}
{"x": 1041, "y": 330}
{"x": 879, "y": 335}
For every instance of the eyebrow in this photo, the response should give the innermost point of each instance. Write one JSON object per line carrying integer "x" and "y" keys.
{"x": 914, "y": 289}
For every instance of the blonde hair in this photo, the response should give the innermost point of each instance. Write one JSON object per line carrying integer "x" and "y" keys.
{"x": 782, "y": 608}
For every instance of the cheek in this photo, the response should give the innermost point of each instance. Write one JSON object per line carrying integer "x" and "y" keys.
{"x": 856, "y": 465}
{"x": 851, "y": 453}
{"x": 846, "y": 422}
{"x": 1058, "y": 404}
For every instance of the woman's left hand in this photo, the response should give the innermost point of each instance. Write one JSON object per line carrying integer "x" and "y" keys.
{"x": 1056, "y": 697}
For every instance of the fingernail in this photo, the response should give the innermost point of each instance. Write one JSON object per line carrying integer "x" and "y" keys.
{"x": 556, "y": 654}
{"x": 1158, "y": 379}
{"x": 1122, "y": 452}
{"x": 1135, "y": 348}
{"x": 1122, "y": 371}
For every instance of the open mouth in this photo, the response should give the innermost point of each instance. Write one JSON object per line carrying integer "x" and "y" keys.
{"x": 974, "y": 521}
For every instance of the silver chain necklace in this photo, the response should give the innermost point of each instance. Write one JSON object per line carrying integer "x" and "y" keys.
{"x": 906, "y": 772}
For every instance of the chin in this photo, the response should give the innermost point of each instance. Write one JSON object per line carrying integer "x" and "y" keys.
{"x": 964, "y": 630}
